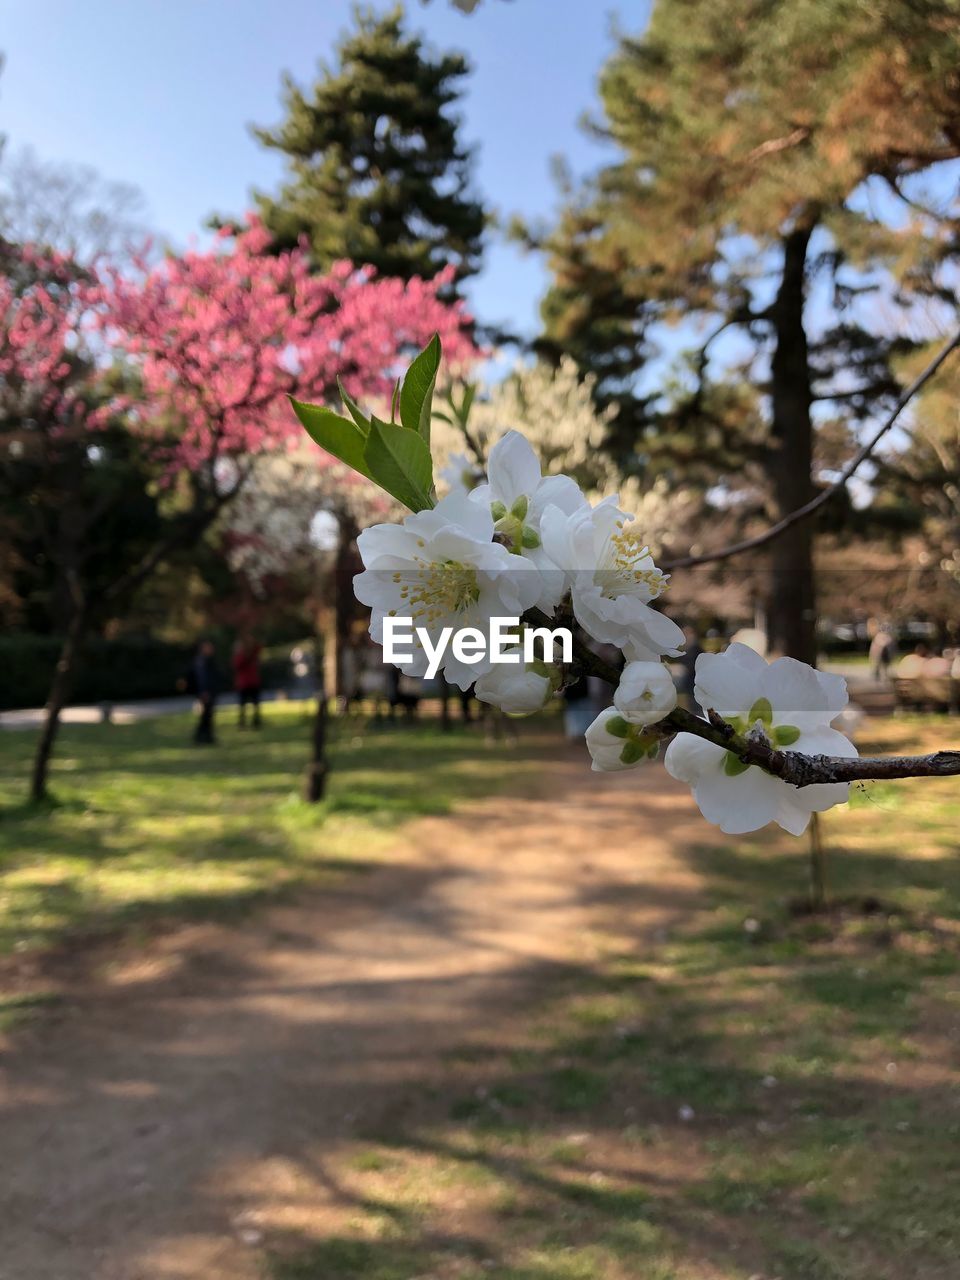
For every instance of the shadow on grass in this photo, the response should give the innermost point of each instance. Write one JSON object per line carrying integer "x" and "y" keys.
{"x": 770, "y": 1100}
{"x": 144, "y": 827}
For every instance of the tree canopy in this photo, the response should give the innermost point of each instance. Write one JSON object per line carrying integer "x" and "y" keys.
{"x": 775, "y": 195}
{"x": 377, "y": 172}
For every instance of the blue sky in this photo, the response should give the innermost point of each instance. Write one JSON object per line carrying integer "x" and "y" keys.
{"x": 159, "y": 93}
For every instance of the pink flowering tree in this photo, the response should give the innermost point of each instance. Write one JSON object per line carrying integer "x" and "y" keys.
{"x": 218, "y": 340}
{"x": 61, "y": 454}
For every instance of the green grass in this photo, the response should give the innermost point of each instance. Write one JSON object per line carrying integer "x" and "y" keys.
{"x": 772, "y": 1100}
{"x": 145, "y": 827}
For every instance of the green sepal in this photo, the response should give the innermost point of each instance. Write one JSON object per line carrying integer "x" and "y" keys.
{"x": 416, "y": 394}
{"x": 733, "y": 766}
{"x": 761, "y": 710}
{"x": 785, "y": 735}
{"x": 339, "y": 436}
{"x": 617, "y": 727}
{"x": 530, "y": 538}
{"x": 520, "y": 507}
{"x": 497, "y": 510}
{"x": 632, "y": 752}
{"x": 399, "y": 461}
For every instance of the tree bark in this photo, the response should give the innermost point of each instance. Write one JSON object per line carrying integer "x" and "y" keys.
{"x": 315, "y": 786}
{"x": 346, "y": 565}
{"x": 791, "y": 607}
{"x": 56, "y": 698}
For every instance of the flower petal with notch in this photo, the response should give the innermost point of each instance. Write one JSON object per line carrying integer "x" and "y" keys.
{"x": 517, "y": 494}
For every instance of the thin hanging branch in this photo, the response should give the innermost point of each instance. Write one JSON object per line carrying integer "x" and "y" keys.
{"x": 801, "y": 513}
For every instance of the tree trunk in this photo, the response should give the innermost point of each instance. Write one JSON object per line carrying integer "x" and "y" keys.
{"x": 315, "y": 785}
{"x": 346, "y": 565}
{"x": 56, "y": 698}
{"x": 791, "y": 607}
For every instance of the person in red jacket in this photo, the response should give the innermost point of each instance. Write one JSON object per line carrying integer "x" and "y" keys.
{"x": 246, "y": 678}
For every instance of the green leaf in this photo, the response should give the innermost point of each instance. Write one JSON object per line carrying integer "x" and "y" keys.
{"x": 617, "y": 727}
{"x": 732, "y": 766}
{"x": 785, "y": 735}
{"x": 399, "y": 461}
{"x": 339, "y": 436}
{"x": 416, "y": 394}
{"x": 761, "y": 710}
{"x": 351, "y": 406}
{"x": 632, "y": 752}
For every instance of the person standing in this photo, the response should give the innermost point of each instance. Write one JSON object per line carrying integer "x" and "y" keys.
{"x": 247, "y": 680}
{"x": 206, "y": 686}
{"x": 881, "y": 653}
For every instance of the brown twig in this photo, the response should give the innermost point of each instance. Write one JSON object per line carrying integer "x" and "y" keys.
{"x": 795, "y": 767}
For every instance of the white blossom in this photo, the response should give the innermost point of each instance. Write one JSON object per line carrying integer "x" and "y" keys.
{"x": 646, "y": 692}
{"x": 441, "y": 568}
{"x": 790, "y": 705}
{"x": 612, "y": 577}
{"x": 517, "y": 495}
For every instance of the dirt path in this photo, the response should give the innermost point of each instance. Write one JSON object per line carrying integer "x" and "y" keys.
{"x": 189, "y": 1104}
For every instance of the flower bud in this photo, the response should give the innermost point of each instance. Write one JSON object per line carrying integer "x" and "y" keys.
{"x": 646, "y": 692}
{"x": 616, "y": 744}
{"x": 518, "y": 690}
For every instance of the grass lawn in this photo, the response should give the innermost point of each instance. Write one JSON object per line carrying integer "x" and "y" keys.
{"x": 765, "y": 1094}
{"x": 146, "y": 827}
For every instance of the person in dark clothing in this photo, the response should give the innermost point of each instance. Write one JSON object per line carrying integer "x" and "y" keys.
{"x": 247, "y": 680}
{"x": 206, "y": 686}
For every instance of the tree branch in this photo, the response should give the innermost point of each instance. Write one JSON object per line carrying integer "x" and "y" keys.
{"x": 795, "y": 767}
{"x": 774, "y": 145}
{"x": 864, "y": 452}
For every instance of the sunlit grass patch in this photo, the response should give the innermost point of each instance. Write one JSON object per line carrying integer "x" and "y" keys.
{"x": 143, "y": 826}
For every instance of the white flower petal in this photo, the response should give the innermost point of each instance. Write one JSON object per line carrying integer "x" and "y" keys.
{"x": 739, "y": 804}
{"x": 513, "y": 469}
{"x": 727, "y": 682}
{"x": 792, "y": 815}
{"x": 562, "y": 492}
{"x": 687, "y": 757}
{"x": 795, "y": 689}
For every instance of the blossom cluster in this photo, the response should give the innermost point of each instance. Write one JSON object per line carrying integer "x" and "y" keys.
{"x": 517, "y": 543}
{"x": 221, "y": 336}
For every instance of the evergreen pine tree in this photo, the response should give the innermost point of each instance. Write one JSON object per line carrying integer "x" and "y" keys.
{"x": 771, "y": 156}
{"x": 377, "y": 173}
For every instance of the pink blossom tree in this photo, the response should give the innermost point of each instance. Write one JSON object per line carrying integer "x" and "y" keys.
{"x": 218, "y": 339}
